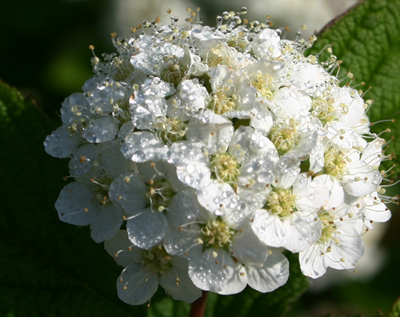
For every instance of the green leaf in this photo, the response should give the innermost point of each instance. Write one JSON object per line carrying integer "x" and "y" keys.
{"x": 47, "y": 268}
{"x": 395, "y": 312}
{"x": 367, "y": 40}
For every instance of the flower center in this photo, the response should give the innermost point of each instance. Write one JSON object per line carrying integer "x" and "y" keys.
{"x": 224, "y": 167}
{"x": 171, "y": 129}
{"x": 284, "y": 136}
{"x": 216, "y": 234}
{"x": 156, "y": 259}
{"x": 328, "y": 226}
{"x": 218, "y": 55}
{"x": 240, "y": 42}
{"x": 221, "y": 103}
{"x": 160, "y": 194}
{"x": 171, "y": 71}
{"x": 323, "y": 109}
{"x": 335, "y": 162}
{"x": 100, "y": 190}
{"x": 263, "y": 83}
{"x": 281, "y": 202}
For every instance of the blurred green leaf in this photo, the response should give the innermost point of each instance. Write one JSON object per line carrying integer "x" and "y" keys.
{"x": 367, "y": 40}
{"x": 395, "y": 312}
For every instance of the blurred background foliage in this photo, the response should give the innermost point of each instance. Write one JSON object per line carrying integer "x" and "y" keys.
{"x": 45, "y": 55}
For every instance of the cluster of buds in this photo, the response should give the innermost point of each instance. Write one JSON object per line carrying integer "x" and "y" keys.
{"x": 200, "y": 153}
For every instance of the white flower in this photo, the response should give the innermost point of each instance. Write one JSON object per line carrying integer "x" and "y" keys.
{"x": 357, "y": 176}
{"x": 212, "y": 146}
{"x": 189, "y": 99}
{"x": 272, "y": 274}
{"x": 231, "y": 91}
{"x": 289, "y": 217}
{"x": 371, "y": 209}
{"x": 144, "y": 198}
{"x": 82, "y": 205}
{"x": 218, "y": 240}
{"x": 340, "y": 244}
{"x": 144, "y": 270}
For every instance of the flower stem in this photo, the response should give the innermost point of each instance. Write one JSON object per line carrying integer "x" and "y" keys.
{"x": 199, "y": 306}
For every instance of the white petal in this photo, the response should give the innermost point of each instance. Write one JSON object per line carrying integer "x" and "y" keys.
{"x": 266, "y": 44}
{"x": 60, "y": 143}
{"x": 147, "y": 229}
{"x": 184, "y": 241}
{"x": 143, "y": 146}
{"x": 375, "y": 210}
{"x": 308, "y": 77}
{"x": 192, "y": 167}
{"x": 247, "y": 247}
{"x": 126, "y": 130}
{"x": 335, "y": 189}
{"x": 112, "y": 160}
{"x": 128, "y": 191}
{"x": 312, "y": 261}
{"x": 238, "y": 283}
{"x": 136, "y": 285}
{"x": 122, "y": 250}
{"x": 290, "y": 103}
{"x": 355, "y": 103}
{"x": 372, "y": 155}
{"x": 75, "y": 204}
{"x": 272, "y": 274}
{"x": 213, "y": 270}
{"x": 317, "y": 159}
{"x": 261, "y": 119}
{"x": 107, "y": 222}
{"x": 214, "y": 136}
{"x": 183, "y": 209}
{"x": 286, "y": 172}
{"x": 83, "y": 159}
{"x": 177, "y": 283}
{"x": 302, "y": 230}
{"x": 361, "y": 179}
{"x": 268, "y": 228}
{"x": 220, "y": 200}
{"x": 310, "y": 194}
{"x": 349, "y": 250}
{"x": 101, "y": 130}
{"x": 344, "y": 137}
{"x": 73, "y": 108}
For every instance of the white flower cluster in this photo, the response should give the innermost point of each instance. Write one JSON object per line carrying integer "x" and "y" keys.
{"x": 216, "y": 149}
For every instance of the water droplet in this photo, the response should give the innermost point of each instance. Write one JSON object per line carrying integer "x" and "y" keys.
{"x": 190, "y": 169}
{"x": 188, "y": 180}
{"x": 138, "y": 156}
